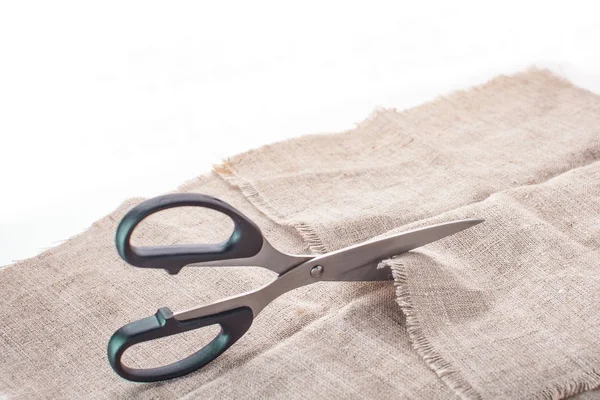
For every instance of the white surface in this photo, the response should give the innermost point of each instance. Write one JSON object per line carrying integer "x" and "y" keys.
{"x": 100, "y": 101}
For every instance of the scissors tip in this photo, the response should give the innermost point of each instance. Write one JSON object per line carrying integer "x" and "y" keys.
{"x": 468, "y": 223}
{"x": 450, "y": 228}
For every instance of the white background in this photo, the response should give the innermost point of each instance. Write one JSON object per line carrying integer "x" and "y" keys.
{"x": 101, "y": 101}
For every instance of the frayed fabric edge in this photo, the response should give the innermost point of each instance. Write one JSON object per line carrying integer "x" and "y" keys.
{"x": 572, "y": 387}
{"x": 449, "y": 375}
{"x": 227, "y": 173}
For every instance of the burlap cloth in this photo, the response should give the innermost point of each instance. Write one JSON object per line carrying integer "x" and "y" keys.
{"x": 507, "y": 309}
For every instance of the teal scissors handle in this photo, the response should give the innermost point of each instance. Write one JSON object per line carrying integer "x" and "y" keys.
{"x": 245, "y": 241}
{"x": 245, "y": 246}
{"x": 234, "y": 323}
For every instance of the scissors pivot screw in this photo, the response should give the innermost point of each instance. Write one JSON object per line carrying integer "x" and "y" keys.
{"x": 316, "y": 271}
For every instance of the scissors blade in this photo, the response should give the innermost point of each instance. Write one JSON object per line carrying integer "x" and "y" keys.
{"x": 359, "y": 262}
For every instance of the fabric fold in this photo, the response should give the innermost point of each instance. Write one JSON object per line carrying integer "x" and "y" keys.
{"x": 399, "y": 167}
{"x": 511, "y": 309}
{"x": 520, "y": 151}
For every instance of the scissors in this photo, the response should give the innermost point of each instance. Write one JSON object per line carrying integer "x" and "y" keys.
{"x": 245, "y": 247}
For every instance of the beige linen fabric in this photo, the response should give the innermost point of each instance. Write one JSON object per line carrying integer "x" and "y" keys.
{"x": 512, "y": 309}
{"x": 507, "y": 309}
{"x": 400, "y": 167}
{"x": 328, "y": 340}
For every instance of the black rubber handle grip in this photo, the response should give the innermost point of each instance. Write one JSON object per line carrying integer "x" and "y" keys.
{"x": 234, "y": 323}
{"x": 245, "y": 241}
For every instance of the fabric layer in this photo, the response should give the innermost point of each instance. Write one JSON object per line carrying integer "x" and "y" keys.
{"x": 328, "y": 340}
{"x": 532, "y": 134}
{"x": 512, "y": 309}
{"x": 400, "y": 167}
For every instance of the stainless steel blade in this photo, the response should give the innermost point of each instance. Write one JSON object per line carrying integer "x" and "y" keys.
{"x": 359, "y": 262}
{"x": 367, "y": 272}
{"x": 355, "y": 263}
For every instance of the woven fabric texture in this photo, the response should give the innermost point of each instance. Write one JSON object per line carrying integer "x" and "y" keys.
{"x": 507, "y": 309}
{"x": 328, "y": 340}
